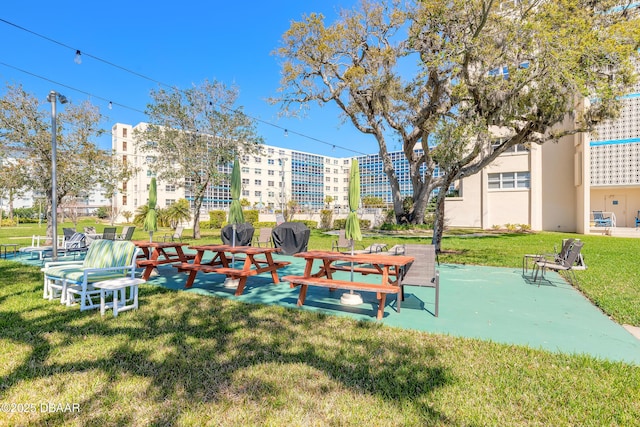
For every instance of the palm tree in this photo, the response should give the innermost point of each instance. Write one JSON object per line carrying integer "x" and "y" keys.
{"x": 141, "y": 214}
{"x": 178, "y": 212}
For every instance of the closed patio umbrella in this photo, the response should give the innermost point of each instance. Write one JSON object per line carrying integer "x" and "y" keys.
{"x": 151, "y": 220}
{"x": 352, "y": 225}
{"x": 235, "y": 210}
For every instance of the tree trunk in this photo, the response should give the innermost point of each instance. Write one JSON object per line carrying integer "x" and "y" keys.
{"x": 438, "y": 222}
{"x": 196, "y": 217}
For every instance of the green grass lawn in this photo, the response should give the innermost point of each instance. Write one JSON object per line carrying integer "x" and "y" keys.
{"x": 188, "y": 360}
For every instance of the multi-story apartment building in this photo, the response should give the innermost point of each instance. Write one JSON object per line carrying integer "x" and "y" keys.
{"x": 269, "y": 179}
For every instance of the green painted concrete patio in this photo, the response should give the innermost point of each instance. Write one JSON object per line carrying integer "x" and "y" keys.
{"x": 488, "y": 303}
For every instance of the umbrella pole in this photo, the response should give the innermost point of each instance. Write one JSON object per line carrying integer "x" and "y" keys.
{"x": 232, "y": 283}
{"x": 351, "y": 298}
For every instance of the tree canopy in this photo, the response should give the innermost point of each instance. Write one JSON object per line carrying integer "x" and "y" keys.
{"x": 443, "y": 78}
{"x": 194, "y": 135}
{"x": 25, "y": 132}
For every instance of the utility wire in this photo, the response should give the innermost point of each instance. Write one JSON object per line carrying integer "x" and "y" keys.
{"x": 70, "y": 87}
{"x": 78, "y": 51}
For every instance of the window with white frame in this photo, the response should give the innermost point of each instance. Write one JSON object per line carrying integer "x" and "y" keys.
{"x": 509, "y": 180}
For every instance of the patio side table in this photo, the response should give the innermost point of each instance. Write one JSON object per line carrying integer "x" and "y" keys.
{"x": 115, "y": 287}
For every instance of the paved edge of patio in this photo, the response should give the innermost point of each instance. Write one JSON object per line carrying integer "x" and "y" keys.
{"x": 487, "y": 303}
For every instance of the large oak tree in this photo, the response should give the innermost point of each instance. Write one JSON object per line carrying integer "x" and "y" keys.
{"x": 443, "y": 77}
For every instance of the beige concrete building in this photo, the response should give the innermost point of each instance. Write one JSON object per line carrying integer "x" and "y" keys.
{"x": 553, "y": 187}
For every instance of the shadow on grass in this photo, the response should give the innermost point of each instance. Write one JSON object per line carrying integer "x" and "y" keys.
{"x": 192, "y": 350}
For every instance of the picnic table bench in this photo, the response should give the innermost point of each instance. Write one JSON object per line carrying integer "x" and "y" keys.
{"x": 333, "y": 284}
{"x": 155, "y": 254}
{"x": 223, "y": 263}
{"x": 384, "y": 265}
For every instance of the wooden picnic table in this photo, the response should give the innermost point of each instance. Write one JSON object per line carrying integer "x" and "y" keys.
{"x": 221, "y": 263}
{"x": 389, "y": 267}
{"x": 155, "y": 254}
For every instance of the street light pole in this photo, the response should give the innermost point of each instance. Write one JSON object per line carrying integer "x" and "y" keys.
{"x": 282, "y": 203}
{"x": 53, "y": 98}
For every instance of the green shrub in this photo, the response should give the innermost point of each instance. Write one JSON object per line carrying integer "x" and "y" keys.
{"x": 339, "y": 224}
{"x": 390, "y": 216}
{"x": 217, "y": 218}
{"x": 6, "y": 222}
{"x": 29, "y": 220}
{"x": 326, "y": 216}
{"x": 264, "y": 224}
{"x": 102, "y": 212}
{"x": 511, "y": 227}
{"x": 251, "y": 216}
{"x": 310, "y": 224}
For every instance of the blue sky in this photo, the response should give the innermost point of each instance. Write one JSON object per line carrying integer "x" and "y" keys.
{"x": 176, "y": 43}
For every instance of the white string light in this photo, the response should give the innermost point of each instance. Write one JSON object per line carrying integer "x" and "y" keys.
{"x": 78, "y": 60}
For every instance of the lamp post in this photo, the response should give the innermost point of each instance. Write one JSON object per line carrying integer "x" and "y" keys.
{"x": 53, "y": 98}
{"x": 282, "y": 192}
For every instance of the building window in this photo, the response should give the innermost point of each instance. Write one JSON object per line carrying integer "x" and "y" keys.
{"x": 124, "y": 186}
{"x": 271, "y": 162}
{"x": 270, "y": 172}
{"x": 245, "y": 181}
{"x": 169, "y": 202}
{"x": 257, "y": 193}
{"x": 509, "y": 180}
{"x": 124, "y": 145}
{"x": 518, "y": 148}
{"x": 258, "y": 182}
{"x": 270, "y": 183}
{"x": 245, "y": 170}
{"x": 124, "y": 200}
{"x": 245, "y": 192}
{"x": 258, "y": 171}
{"x": 258, "y": 159}
{"x": 124, "y": 133}
{"x": 170, "y": 188}
{"x": 124, "y": 160}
